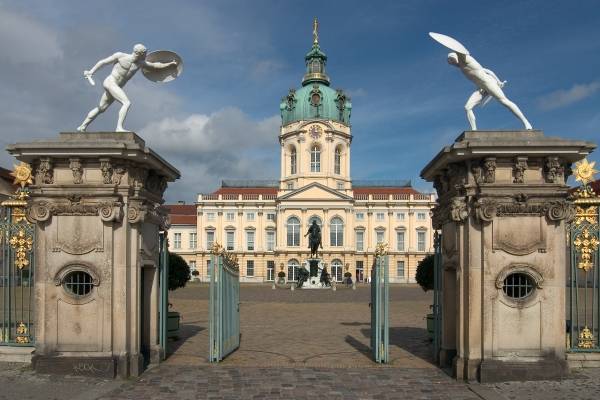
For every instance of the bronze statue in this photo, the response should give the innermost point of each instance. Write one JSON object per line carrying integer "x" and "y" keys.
{"x": 314, "y": 238}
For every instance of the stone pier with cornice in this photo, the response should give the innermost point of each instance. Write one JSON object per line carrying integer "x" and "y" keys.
{"x": 96, "y": 201}
{"x": 502, "y": 210}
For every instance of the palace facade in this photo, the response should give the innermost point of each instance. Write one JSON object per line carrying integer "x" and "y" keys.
{"x": 265, "y": 222}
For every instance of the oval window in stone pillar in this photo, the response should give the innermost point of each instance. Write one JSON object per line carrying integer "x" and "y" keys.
{"x": 519, "y": 282}
{"x": 77, "y": 280}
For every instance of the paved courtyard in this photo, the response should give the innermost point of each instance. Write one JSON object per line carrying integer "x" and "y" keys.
{"x": 296, "y": 345}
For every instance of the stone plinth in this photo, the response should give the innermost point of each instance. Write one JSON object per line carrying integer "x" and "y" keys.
{"x": 502, "y": 210}
{"x": 96, "y": 201}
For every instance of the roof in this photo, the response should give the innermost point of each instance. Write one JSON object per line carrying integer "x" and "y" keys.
{"x": 182, "y": 214}
{"x": 381, "y": 183}
{"x": 385, "y": 190}
{"x": 254, "y": 183}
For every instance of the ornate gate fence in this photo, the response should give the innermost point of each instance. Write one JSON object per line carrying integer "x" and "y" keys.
{"x": 437, "y": 295}
{"x": 583, "y": 325}
{"x": 224, "y": 305}
{"x": 380, "y": 321}
{"x": 17, "y": 266}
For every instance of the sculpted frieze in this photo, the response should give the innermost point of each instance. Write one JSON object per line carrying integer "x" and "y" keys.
{"x": 554, "y": 171}
{"x": 108, "y": 211}
{"x": 44, "y": 173}
{"x": 487, "y": 209}
{"x": 77, "y": 169}
{"x": 107, "y": 171}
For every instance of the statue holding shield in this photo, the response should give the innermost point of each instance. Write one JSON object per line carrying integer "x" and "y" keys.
{"x": 488, "y": 84}
{"x": 159, "y": 66}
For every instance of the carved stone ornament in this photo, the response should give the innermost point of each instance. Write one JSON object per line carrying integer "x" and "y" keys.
{"x": 108, "y": 211}
{"x": 519, "y": 169}
{"x": 521, "y": 268}
{"x": 44, "y": 173}
{"x": 489, "y": 167}
{"x": 107, "y": 171}
{"x": 80, "y": 266}
{"x": 156, "y": 183}
{"x": 117, "y": 175}
{"x": 77, "y": 168}
{"x": 487, "y": 209}
{"x": 458, "y": 210}
{"x": 477, "y": 172}
{"x": 554, "y": 171}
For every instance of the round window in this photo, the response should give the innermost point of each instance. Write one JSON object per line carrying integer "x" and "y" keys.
{"x": 315, "y": 99}
{"x": 518, "y": 285}
{"x": 78, "y": 283}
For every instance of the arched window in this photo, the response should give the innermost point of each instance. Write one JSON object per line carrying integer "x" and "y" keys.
{"x": 315, "y": 67}
{"x": 293, "y": 162}
{"x": 293, "y": 231}
{"x": 293, "y": 266}
{"x": 337, "y": 161}
{"x": 315, "y": 159}
{"x": 315, "y": 218}
{"x": 336, "y": 270}
{"x": 337, "y": 232}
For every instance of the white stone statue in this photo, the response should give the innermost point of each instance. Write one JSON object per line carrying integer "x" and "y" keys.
{"x": 486, "y": 80}
{"x": 125, "y": 67}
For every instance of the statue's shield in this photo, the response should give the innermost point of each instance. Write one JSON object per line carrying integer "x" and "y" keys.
{"x": 449, "y": 42}
{"x": 164, "y": 74}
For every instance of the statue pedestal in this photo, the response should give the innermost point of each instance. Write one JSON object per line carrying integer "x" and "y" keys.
{"x": 502, "y": 211}
{"x": 96, "y": 202}
{"x": 314, "y": 266}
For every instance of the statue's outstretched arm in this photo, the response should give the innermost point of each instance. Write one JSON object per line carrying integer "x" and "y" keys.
{"x": 159, "y": 65}
{"x": 105, "y": 61}
{"x": 493, "y": 75}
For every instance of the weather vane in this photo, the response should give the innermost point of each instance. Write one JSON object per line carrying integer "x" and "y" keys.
{"x": 315, "y": 32}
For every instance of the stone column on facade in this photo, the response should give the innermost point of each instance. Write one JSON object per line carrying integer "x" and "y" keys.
{"x": 500, "y": 218}
{"x": 98, "y": 217}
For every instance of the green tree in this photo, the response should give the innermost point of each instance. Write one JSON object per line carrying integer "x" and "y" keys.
{"x": 424, "y": 275}
{"x": 179, "y": 272}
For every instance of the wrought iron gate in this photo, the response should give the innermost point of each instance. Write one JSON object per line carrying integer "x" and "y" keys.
{"x": 380, "y": 321}
{"x": 437, "y": 296}
{"x": 164, "y": 292}
{"x": 224, "y": 305}
{"x": 583, "y": 326}
{"x": 17, "y": 266}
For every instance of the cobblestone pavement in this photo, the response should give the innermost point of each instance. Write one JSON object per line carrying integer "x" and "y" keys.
{"x": 296, "y": 345}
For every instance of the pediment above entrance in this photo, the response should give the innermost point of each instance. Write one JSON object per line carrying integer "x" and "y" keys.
{"x": 316, "y": 191}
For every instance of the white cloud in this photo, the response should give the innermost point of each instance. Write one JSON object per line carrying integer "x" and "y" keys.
{"x": 565, "y": 97}
{"x": 209, "y": 148}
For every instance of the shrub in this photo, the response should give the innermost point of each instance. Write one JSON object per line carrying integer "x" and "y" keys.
{"x": 179, "y": 272}
{"x": 424, "y": 275}
{"x": 281, "y": 274}
{"x": 195, "y": 273}
{"x": 347, "y": 275}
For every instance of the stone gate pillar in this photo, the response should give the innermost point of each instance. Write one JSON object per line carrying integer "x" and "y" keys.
{"x": 96, "y": 199}
{"x": 502, "y": 209}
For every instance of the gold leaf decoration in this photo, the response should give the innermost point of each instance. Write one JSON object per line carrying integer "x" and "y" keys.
{"x": 22, "y": 174}
{"x": 22, "y": 243}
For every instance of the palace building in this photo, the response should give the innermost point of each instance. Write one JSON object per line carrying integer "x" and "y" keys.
{"x": 264, "y": 222}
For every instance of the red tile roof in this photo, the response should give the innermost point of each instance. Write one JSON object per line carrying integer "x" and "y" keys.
{"x": 182, "y": 219}
{"x": 182, "y": 214}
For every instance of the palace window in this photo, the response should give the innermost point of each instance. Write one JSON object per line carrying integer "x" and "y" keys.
{"x": 210, "y": 239}
{"x": 250, "y": 216}
{"x": 518, "y": 285}
{"x": 336, "y": 270}
{"x": 250, "y": 240}
{"x": 250, "y": 268}
{"x": 400, "y": 269}
{"x": 421, "y": 216}
{"x": 210, "y": 216}
{"x": 193, "y": 240}
{"x": 290, "y": 185}
{"x": 400, "y": 216}
{"x": 359, "y": 271}
{"x": 315, "y": 159}
{"x": 380, "y": 216}
{"x": 293, "y": 267}
{"x": 270, "y": 241}
{"x": 177, "y": 240}
{"x": 337, "y": 232}
{"x": 360, "y": 240}
{"x": 293, "y": 232}
{"x": 380, "y": 236}
{"x": 270, "y": 270}
{"x": 400, "y": 241}
{"x": 360, "y": 216}
{"x": 421, "y": 240}
{"x": 340, "y": 186}
{"x": 337, "y": 161}
{"x": 293, "y": 163}
{"x": 271, "y": 217}
{"x": 230, "y": 240}
{"x": 78, "y": 283}
{"x": 230, "y": 216}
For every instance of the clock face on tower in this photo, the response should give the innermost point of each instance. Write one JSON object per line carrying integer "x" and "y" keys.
{"x": 315, "y": 131}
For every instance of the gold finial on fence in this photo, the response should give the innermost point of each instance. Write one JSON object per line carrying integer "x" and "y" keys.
{"x": 22, "y": 175}
{"x": 585, "y": 171}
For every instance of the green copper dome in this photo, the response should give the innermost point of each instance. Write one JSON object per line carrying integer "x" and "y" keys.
{"x": 315, "y": 99}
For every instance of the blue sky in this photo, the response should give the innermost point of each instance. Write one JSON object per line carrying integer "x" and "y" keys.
{"x": 220, "y": 119}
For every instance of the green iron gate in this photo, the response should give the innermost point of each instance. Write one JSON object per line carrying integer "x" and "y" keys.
{"x": 17, "y": 266}
{"x": 224, "y": 305}
{"x": 437, "y": 296}
{"x": 380, "y": 321}
{"x": 164, "y": 292}
{"x": 583, "y": 326}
